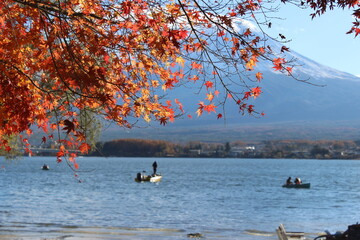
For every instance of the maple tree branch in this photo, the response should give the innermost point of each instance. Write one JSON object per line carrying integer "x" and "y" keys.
{"x": 53, "y": 8}
{"x": 26, "y": 76}
{"x": 206, "y": 52}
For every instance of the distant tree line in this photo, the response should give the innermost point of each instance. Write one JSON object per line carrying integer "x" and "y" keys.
{"x": 136, "y": 148}
{"x": 323, "y": 149}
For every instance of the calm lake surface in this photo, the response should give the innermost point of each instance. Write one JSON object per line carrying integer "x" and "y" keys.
{"x": 219, "y": 198}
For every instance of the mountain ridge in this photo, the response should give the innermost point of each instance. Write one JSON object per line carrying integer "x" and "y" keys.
{"x": 323, "y": 104}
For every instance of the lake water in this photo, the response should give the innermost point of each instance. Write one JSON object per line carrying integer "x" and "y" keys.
{"x": 219, "y": 198}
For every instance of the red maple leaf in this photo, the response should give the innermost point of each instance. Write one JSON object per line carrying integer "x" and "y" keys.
{"x": 163, "y": 121}
{"x": 250, "y": 108}
{"x": 283, "y": 49}
{"x": 209, "y": 84}
{"x": 107, "y": 59}
{"x": 69, "y": 126}
{"x": 247, "y": 95}
{"x": 357, "y": 31}
{"x": 183, "y": 34}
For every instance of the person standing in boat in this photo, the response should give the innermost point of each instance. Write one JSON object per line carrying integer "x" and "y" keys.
{"x": 154, "y": 165}
{"x": 288, "y": 181}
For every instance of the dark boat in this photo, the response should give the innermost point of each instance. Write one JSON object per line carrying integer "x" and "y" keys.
{"x": 45, "y": 167}
{"x": 301, "y": 185}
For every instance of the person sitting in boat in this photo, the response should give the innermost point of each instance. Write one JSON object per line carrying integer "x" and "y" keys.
{"x": 298, "y": 181}
{"x": 288, "y": 181}
{"x": 139, "y": 176}
{"x": 154, "y": 167}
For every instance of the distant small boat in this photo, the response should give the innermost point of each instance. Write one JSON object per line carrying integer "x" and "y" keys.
{"x": 148, "y": 178}
{"x": 45, "y": 167}
{"x": 301, "y": 185}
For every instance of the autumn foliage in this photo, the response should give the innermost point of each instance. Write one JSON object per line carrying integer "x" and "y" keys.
{"x": 64, "y": 64}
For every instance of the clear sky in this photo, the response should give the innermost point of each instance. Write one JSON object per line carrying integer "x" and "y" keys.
{"x": 322, "y": 39}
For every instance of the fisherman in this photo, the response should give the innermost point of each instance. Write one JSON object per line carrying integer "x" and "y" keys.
{"x": 288, "y": 181}
{"x": 139, "y": 176}
{"x": 154, "y": 167}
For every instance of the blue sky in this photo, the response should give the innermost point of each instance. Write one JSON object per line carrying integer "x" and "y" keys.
{"x": 322, "y": 39}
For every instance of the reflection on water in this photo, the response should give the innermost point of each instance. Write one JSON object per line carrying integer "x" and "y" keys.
{"x": 219, "y": 198}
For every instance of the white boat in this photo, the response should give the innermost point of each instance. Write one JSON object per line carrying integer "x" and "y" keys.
{"x": 156, "y": 178}
{"x": 148, "y": 178}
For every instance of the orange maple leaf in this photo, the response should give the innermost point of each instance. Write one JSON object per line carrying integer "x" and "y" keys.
{"x": 256, "y": 91}
{"x": 84, "y": 148}
{"x": 259, "y": 76}
{"x": 278, "y": 62}
{"x": 195, "y": 65}
{"x": 209, "y": 96}
{"x": 210, "y": 108}
{"x": 76, "y": 165}
{"x": 179, "y": 105}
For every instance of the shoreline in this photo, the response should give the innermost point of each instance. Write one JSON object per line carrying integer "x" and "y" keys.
{"x": 49, "y": 231}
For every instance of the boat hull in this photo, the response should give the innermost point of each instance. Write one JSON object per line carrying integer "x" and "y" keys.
{"x": 149, "y": 178}
{"x": 303, "y": 185}
{"x": 155, "y": 179}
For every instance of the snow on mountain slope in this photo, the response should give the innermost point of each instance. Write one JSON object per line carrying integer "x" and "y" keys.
{"x": 305, "y": 67}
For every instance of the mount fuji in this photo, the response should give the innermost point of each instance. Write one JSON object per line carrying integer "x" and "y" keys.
{"x": 327, "y": 108}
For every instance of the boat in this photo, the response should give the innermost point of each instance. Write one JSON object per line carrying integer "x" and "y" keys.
{"x": 301, "y": 185}
{"x": 148, "y": 178}
{"x": 45, "y": 167}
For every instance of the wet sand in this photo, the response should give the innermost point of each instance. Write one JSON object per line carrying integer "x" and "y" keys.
{"x": 43, "y": 231}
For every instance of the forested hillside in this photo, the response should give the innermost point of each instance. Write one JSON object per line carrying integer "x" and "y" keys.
{"x": 322, "y": 149}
